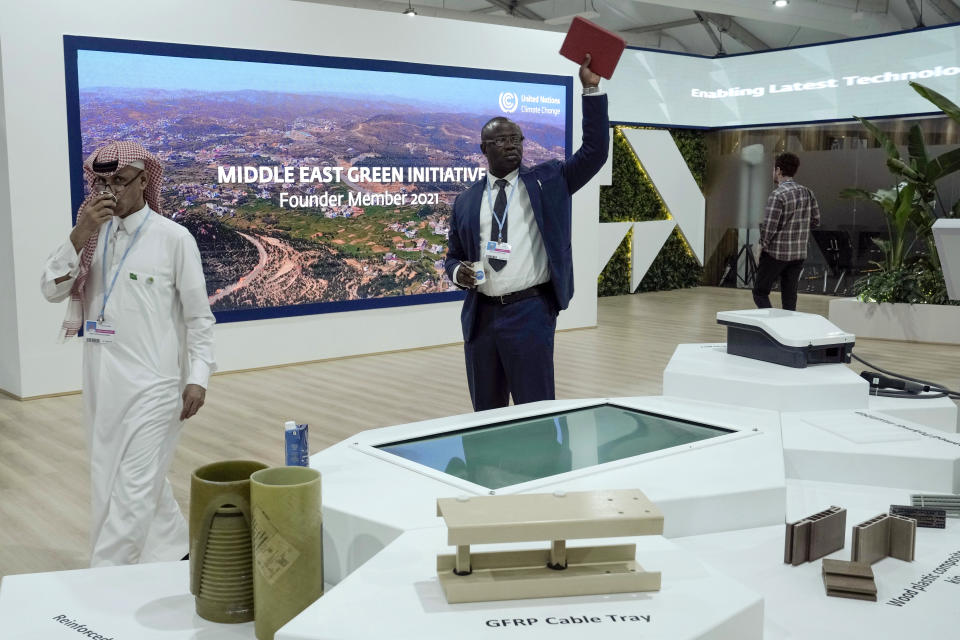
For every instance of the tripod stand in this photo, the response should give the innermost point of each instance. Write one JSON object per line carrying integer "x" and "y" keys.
{"x": 749, "y": 267}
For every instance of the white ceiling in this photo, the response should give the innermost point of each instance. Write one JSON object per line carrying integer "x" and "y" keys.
{"x": 696, "y": 26}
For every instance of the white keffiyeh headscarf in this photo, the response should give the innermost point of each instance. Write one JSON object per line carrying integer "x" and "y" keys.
{"x": 104, "y": 163}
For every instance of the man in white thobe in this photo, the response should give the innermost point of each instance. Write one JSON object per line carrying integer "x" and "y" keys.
{"x": 136, "y": 286}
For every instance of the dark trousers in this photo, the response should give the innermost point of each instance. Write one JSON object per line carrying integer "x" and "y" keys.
{"x": 768, "y": 271}
{"x": 511, "y": 353}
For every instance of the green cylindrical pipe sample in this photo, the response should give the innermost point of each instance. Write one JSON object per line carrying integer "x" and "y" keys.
{"x": 287, "y": 545}
{"x": 221, "y": 562}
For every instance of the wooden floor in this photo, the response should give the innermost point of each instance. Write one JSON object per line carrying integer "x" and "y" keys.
{"x": 44, "y": 490}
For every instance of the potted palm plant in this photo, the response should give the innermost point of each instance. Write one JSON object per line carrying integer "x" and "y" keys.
{"x": 906, "y": 297}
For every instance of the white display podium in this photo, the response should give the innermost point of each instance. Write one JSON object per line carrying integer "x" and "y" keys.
{"x": 937, "y": 413}
{"x": 793, "y": 442}
{"x": 142, "y": 602}
{"x": 795, "y": 605}
{"x": 397, "y": 595}
{"x": 870, "y": 448}
{"x": 370, "y": 498}
{"x": 832, "y": 429}
{"x": 738, "y": 572}
{"x": 708, "y": 373}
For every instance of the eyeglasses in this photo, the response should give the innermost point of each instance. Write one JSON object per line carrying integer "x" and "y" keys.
{"x": 115, "y": 183}
{"x": 502, "y": 141}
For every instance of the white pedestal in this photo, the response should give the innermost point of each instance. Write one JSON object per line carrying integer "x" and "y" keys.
{"x": 397, "y": 595}
{"x": 869, "y": 448}
{"x": 707, "y": 372}
{"x": 145, "y": 601}
{"x": 795, "y": 603}
{"x": 938, "y": 413}
{"x": 369, "y": 498}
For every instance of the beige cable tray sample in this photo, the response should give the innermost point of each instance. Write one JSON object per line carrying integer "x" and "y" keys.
{"x": 546, "y": 572}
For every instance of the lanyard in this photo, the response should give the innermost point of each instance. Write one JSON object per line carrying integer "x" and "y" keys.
{"x": 506, "y": 208}
{"x": 108, "y": 291}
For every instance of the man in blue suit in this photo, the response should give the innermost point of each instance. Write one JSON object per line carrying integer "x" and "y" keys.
{"x": 515, "y": 227}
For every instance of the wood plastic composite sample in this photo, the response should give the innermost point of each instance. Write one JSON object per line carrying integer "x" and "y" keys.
{"x": 927, "y": 517}
{"x": 884, "y": 535}
{"x": 547, "y": 572}
{"x": 814, "y": 536}
{"x": 844, "y": 579}
{"x": 948, "y": 502}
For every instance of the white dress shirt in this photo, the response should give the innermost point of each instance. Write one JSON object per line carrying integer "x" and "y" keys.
{"x": 527, "y": 265}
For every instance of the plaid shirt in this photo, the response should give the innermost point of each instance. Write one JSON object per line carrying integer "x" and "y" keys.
{"x": 791, "y": 212}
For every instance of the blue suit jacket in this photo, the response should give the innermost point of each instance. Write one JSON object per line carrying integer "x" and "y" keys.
{"x": 550, "y": 186}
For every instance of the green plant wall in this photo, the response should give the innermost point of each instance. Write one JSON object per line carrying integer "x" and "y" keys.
{"x": 631, "y": 197}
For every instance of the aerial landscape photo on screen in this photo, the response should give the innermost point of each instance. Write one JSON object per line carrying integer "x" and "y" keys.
{"x": 310, "y": 187}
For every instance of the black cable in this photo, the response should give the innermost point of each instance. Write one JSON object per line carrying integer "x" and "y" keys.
{"x": 887, "y": 393}
{"x": 933, "y": 385}
{"x": 899, "y": 375}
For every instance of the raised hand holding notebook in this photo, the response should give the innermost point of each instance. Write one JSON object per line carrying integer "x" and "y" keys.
{"x": 604, "y": 47}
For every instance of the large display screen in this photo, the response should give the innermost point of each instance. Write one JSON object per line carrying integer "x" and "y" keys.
{"x": 508, "y": 453}
{"x": 866, "y": 77}
{"x": 311, "y": 184}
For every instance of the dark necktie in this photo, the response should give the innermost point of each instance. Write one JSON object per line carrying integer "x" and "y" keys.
{"x": 496, "y": 232}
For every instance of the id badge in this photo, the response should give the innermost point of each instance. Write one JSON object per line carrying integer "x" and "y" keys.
{"x": 102, "y": 332}
{"x": 498, "y": 250}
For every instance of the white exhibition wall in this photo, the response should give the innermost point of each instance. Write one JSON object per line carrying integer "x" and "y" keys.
{"x": 35, "y": 208}
{"x": 9, "y": 348}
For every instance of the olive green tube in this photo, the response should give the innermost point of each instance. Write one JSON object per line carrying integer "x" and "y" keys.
{"x": 287, "y": 545}
{"x": 221, "y": 562}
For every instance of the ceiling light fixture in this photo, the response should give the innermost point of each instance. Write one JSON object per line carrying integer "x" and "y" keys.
{"x": 409, "y": 11}
{"x": 780, "y": 3}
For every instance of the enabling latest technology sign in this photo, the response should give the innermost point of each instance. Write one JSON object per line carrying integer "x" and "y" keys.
{"x": 868, "y": 77}
{"x": 311, "y": 184}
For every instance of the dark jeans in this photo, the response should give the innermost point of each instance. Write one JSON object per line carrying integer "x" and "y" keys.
{"x": 768, "y": 271}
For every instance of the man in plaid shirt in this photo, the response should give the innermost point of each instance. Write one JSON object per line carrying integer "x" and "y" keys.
{"x": 791, "y": 212}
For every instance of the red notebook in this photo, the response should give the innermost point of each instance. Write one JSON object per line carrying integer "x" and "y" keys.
{"x": 603, "y": 46}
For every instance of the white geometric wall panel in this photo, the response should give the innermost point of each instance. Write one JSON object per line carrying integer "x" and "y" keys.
{"x": 946, "y": 233}
{"x": 648, "y": 238}
{"x": 609, "y": 237}
{"x": 667, "y": 170}
{"x": 604, "y": 177}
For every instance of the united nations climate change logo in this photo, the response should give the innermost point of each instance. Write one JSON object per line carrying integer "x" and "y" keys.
{"x": 508, "y": 101}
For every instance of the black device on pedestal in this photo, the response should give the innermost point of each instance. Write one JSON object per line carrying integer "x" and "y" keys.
{"x": 789, "y": 338}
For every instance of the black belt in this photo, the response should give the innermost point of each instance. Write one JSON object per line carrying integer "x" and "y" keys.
{"x": 516, "y": 296}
